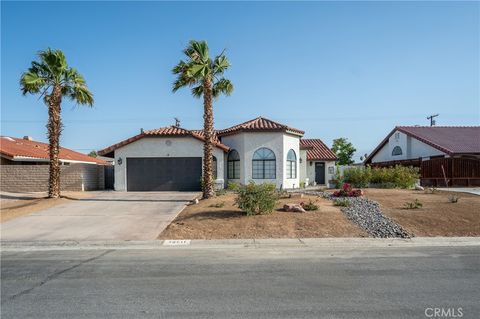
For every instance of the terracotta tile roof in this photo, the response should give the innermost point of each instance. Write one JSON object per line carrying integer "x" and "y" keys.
{"x": 317, "y": 150}
{"x": 163, "y": 131}
{"x": 259, "y": 124}
{"x": 19, "y": 147}
{"x": 451, "y": 140}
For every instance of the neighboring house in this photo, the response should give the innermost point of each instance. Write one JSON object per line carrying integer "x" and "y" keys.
{"x": 446, "y": 155}
{"x": 260, "y": 150}
{"x": 24, "y": 167}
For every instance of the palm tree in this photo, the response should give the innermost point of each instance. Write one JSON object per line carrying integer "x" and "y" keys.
{"x": 205, "y": 77}
{"x": 53, "y": 79}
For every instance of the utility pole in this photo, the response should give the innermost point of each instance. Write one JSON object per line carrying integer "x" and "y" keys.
{"x": 432, "y": 119}
{"x": 177, "y": 122}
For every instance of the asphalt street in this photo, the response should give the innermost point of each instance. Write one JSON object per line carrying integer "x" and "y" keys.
{"x": 270, "y": 282}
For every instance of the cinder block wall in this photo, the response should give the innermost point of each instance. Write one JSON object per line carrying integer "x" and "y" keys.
{"x": 34, "y": 178}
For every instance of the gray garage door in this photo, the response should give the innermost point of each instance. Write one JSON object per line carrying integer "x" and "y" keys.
{"x": 164, "y": 174}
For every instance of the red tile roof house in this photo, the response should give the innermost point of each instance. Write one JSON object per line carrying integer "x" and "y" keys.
{"x": 457, "y": 148}
{"x": 259, "y": 150}
{"x": 24, "y": 167}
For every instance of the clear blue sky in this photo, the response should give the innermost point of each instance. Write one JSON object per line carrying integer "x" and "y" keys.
{"x": 343, "y": 69}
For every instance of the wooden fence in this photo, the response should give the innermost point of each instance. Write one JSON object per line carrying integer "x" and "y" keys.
{"x": 444, "y": 172}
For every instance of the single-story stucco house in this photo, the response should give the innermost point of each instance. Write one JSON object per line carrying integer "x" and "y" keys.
{"x": 24, "y": 167}
{"x": 259, "y": 150}
{"x": 445, "y": 155}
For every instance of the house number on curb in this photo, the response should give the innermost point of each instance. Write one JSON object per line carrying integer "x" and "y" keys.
{"x": 184, "y": 242}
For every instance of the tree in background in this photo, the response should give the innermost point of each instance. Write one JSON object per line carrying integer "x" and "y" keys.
{"x": 93, "y": 154}
{"x": 54, "y": 79}
{"x": 344, "y": 151}
{"x": 205, "y": 77}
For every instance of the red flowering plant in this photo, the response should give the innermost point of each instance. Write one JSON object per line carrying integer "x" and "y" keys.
{"x": 347, "y": 191}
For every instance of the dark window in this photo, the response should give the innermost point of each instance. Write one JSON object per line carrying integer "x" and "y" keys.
{"x": 233, "y": 165}
{"x": 263, "y": 164}
{"x": 397, "y": 150}
{"x": 214, "y": 167}
{"x": 291, "y": 164}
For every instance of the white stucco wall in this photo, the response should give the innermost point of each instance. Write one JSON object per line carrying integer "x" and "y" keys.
{"x": 329, "y": 173}
{"x": 246, "y": 143}
{"x": 157, "y": 147}
{"x": 303, "y": 166}
{"x": 411, "y": 149}
{"x": 291, "y": 142}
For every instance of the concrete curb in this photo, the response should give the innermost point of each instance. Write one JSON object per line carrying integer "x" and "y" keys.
{"x": 325, "y": 243}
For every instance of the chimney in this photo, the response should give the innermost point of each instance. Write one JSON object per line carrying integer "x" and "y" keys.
{"x": 28, "y": 138}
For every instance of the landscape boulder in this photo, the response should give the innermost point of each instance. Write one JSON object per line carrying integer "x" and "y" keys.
{"x": 297, "y": 208}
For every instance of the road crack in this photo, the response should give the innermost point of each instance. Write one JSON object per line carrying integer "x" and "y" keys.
{"x": 58, "y": 273}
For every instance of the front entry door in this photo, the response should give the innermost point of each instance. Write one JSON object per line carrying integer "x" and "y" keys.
{"x": 320, "y": 173}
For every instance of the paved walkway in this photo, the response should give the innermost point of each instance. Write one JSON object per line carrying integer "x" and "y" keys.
{"x": 470, "y": 190}
{"x": 106, "y": 216}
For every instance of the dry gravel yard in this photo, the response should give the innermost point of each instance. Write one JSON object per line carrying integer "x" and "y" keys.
{"x": 437, "y": 217}
{"x": 201, "y": 221}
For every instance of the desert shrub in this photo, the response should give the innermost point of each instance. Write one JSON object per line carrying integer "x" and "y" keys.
{"x": 382, "y": 177}
{"x": 231, "y": 186}
{"x": 343, "y": 202}
{"x": 257, "y": 199}
{"x": 431, "y": 190}
{"x": 221, "y": 192}
{"x": 357, "y": 176}
{"x": 337, "y": 178}
{"x": 404, "y": 177}
{"x": 453, "y": 199}
{"x": 218, "y": 205}
{"x": 281, "y": 193}
{"x": 309, "y": 206}
{"x": 413, "y": 205}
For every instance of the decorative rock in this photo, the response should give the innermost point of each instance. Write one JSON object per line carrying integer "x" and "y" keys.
{"x": 419, "y": 188}
{"x": 293, "y": 208}
{"x": 195, "y": 201}
{"x": 367, "y": 214}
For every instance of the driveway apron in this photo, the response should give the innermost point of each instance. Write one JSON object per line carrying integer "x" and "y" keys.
{"x": 106, "y": 216}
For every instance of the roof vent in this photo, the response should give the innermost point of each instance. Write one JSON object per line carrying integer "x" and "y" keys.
{"x": 141, "y": 131}
{"x": 28, "y": 138}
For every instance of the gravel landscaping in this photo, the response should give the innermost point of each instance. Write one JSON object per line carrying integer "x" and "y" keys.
{"x": 367, "y": 214}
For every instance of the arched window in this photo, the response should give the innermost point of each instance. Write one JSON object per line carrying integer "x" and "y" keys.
{"x": 263, "y": 164}
{"x": 233, "y": 165}
{"x": 397, "y": 150}
{"x": 291, "y": 164}
{"x": 214, "y": 167}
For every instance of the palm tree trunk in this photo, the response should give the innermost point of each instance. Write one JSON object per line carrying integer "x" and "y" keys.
{"x": 208, "y": 187}
{"x": 54, "y": 127}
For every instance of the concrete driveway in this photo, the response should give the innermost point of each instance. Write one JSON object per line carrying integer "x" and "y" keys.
{"x": 105, "y": 216}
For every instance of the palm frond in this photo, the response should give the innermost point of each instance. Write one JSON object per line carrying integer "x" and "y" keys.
{"x": 31, "y": 82}
{"x": 197, "y": 91}
{"x": 222, "y": 86}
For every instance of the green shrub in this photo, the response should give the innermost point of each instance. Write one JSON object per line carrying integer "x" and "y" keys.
{"x": 337, "y": 178}
{"x": 358, "y": 177}
{"x": 382, "y": 177}
{"x": 343, "y": 202}
{"x": 453, "y": 199}
{"x": 413, "y": 205}
{"x": 257, "y": 199}
{"x": 231, "y": 186}
{"x": 309, "y": 206}
{"x": 302, "y": 184}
